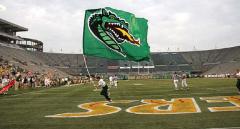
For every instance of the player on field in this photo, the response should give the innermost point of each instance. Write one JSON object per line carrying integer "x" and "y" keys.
{"x": 104, "y": 92}
{"x": 238, "y": 80}
{"x": 115, "y": 81}
{"x": 184, "y": 80}
{"x": 110, "y": 81}
{"x": 175, "y": 78}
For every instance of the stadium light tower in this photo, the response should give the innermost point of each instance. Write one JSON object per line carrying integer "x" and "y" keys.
{"x": 178, "y": 49}
{"x": 194, "y": 48}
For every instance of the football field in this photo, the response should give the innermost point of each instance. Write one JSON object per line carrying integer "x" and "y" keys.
{"x": 137, "y": 104}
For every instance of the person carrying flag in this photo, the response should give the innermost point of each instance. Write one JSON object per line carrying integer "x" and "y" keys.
{"x": 104, "y": 92}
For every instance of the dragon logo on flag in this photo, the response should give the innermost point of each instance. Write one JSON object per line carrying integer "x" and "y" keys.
{"x": 111, "y": 30}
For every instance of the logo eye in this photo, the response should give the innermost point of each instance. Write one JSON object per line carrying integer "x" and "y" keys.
{"x": 112, "y": 17}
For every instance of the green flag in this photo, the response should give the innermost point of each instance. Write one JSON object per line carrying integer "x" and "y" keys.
{"x": 115, "y": 34}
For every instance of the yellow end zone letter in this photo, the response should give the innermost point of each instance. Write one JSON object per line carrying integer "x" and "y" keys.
{"x": 235, "y": 100}
{"x": 175, "y": 106}
{"x": 94, "y": 109}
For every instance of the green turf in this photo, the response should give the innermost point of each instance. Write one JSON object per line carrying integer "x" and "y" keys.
{"x": 26, "y": 109}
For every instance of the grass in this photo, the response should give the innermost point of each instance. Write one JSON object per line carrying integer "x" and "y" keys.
{"x": 26, "y": 109}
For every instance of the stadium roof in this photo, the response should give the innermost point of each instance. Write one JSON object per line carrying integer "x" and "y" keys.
{"x": 12, "y": 26}
{"x": 10, "y": 36}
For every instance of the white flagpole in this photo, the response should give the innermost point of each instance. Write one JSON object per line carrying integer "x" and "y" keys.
{"x": 85, "y": 62}
{"x": 138, "y": 68}
{"x": 148, "y": 67}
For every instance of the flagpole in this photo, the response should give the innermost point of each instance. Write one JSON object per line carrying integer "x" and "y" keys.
{"x": 85, "y": 62}
{"x": 138, "y": 68}
{"x": 148, "y": 68}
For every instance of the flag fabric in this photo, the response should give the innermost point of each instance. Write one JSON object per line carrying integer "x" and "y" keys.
{"x": 115, "y": 34}
{"x": 9, "y": 85}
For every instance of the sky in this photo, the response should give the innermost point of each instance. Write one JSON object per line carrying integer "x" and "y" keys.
{"x": 173, "y": 25}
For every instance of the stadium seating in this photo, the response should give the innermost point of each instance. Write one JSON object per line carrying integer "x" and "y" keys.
{"x": 26, "y": 60}
{"x": 207, "y": 62}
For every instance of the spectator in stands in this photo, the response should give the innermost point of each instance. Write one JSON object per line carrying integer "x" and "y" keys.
{"x": 69, "y": 81}
{"x": 184, "y": 80}
{"x": 65, "y": 80}
{"x": 13, "y": 70}
{"x": 238, "y": 80}
{"x": 175, "y": 78}
{"x": 47, "y": 82}
{"x": 5, "y": 81}
{"x": 18, "y": 80}
{"x": 31, "y": 81}
{"x": 24, "y": 81}
{"x": 105, "y": 89}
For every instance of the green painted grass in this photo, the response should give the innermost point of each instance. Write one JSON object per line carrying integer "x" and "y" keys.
{"x": 25, "y": 109}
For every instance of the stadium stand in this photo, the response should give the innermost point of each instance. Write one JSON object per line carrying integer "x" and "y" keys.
{"x": 207, "y": 62}
{"x": 26, "y": 60}
{"x": 224, "y": 68}
{"x": 211, "y": 59}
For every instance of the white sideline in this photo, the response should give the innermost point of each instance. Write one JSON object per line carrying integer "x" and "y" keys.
{"x": 226, "y": 128}
{"x": 39, "y": 92}
{"x": 43, "y": 89}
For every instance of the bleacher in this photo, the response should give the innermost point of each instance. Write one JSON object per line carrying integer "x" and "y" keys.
{"x": 27, "y": 60}
{"x": 207, "y": 60}
{"x": 214, "y": 61}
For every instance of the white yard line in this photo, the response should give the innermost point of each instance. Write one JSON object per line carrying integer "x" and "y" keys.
{"x": 173, "y": 94}
{"x": 212, "y": 89}
{"x": 61, "y": 87}
{"x": 226, "y": 128}
{"x": 142, "y": 96}
{"x": 138, "y": 84}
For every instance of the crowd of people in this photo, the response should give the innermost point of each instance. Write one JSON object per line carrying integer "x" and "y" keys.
{"x": 27, "y": 79}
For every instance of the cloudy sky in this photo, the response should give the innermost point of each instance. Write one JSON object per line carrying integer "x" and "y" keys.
{"x": 173, "y": 24}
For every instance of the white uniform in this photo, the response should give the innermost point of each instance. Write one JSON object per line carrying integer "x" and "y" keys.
{"x": 101, "y": 83}
{"x": 184, "y": 81}
{"x": 175, "y": 80}
{"x": 238, "y": 75}
{"x": 105, "y": 89}
{"x": 4, "y": 82}
{"x": 115, "y": 81}
{"x": 111, "y": 80}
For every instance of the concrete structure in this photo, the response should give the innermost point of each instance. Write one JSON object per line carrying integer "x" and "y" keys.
{"x": 8, "y": 36}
